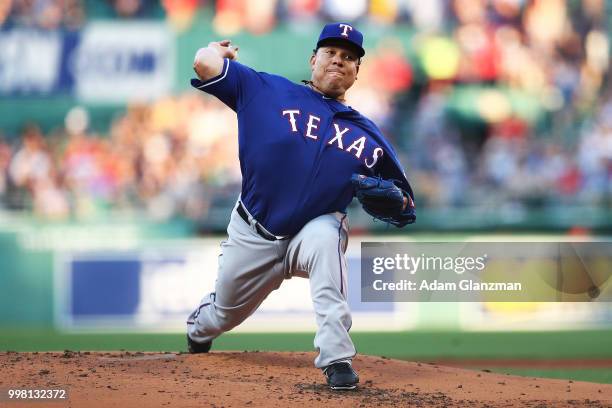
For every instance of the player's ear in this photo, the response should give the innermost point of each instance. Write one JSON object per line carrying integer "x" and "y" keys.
{"x": 313, "y": 58}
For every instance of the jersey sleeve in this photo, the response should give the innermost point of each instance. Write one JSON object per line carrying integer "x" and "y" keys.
{"x": 235, "y": 86}
{"x": 390, "y": 168}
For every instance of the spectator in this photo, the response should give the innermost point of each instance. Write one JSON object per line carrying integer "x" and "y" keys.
{"x": 44, "y": 14}
{"x": 473, "y": 97}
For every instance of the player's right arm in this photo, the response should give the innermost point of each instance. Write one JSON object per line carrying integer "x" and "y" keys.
{"x": 208, "y": 61}
{"x": 220, "y": 75}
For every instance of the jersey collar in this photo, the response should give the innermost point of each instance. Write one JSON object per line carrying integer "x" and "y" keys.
{"x": 336, "y": 105}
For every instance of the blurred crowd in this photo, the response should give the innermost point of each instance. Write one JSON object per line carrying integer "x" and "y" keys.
{"x": 166, "y": 159}
{"x": 514, "y": 168}
{"x": 44, "y": 14}
{"x": 500, "y": 102}
{"x": 490, "y": 103}
{"x": 72, "y": 14}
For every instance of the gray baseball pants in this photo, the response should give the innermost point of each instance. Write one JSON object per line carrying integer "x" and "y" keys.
{"x": 250, "y": 267}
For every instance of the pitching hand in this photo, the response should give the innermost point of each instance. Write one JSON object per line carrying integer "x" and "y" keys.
{"x": 208, "y": 61}
{"x": 225, "y": 49}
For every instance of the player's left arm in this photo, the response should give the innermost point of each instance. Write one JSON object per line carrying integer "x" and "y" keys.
{"x": 384, "y": 199}
{"x": 387, "y": 195}
{"x": 395, "y": 171}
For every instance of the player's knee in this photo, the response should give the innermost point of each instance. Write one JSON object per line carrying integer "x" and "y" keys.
{"x": 227, "y": 321}
{"x": 220, "y": 323}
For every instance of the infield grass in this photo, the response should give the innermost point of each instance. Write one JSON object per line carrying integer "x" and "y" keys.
{"x": 584, "y": 344}
{"x": 598, "y": 375}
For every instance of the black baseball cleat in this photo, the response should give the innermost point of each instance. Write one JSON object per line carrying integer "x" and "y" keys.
{"x": 341, "y": 376}
{"x": 195, "y": 348}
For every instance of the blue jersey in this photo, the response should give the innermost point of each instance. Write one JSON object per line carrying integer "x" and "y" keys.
{"x": 297, "y": 147}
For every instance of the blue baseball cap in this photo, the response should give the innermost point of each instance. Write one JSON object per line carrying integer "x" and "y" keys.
{"x": 344, "y": 33}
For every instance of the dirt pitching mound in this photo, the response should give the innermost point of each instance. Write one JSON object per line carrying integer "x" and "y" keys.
{"x": 258, "y": 379}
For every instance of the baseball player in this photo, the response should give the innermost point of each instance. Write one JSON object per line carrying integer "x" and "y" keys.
{"x": 304, "y": 154}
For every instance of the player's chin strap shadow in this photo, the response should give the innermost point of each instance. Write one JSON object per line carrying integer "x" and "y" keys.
{"x": 313, "y": 86}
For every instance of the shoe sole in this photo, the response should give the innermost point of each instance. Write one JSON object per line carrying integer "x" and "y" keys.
{"x": 343, "y": 387}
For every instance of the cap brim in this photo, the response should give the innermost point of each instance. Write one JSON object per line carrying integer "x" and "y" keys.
{"x": 342, "y": 43}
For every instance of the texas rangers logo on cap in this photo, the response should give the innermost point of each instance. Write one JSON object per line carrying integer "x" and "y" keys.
{"x": 344, "y": 33}
{"x": 344, "y": 28}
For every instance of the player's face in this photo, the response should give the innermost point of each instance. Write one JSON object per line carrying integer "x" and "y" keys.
{"x": 334, "y": 69}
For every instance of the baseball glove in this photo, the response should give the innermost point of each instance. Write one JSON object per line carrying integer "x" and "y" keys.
{"x": 380, "y": 198}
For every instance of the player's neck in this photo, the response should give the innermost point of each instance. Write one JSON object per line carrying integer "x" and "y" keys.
{"x": 340, "y": 98}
